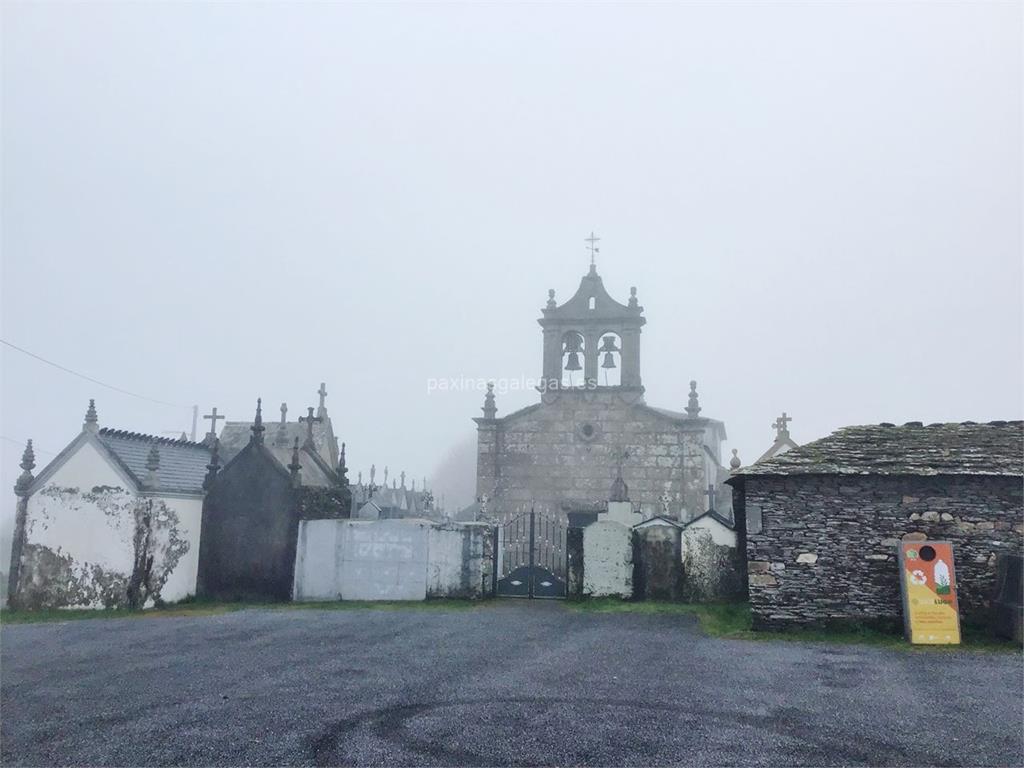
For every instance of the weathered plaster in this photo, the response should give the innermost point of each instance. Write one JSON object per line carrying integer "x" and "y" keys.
{"x": 608, "y": 560}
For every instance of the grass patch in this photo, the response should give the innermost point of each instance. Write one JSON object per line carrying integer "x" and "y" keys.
{"x": 216, "y": 608}
{"x": 733, "y": 621}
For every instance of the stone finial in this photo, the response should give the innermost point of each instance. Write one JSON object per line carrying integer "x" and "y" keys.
{"x": 295, "y": 466}
{"x": 489, "y": 409}
{"x": 620, "y": 491}
{"x": 394, "y": 484}
{"x": 781, "y": 426}
{"x": 359, "y": 478}
{"x": 257, "y": 427}
{"x": 322, "y": 392}
{"x": 385, "y": 477}
{"x": 373, "y": 473}
{"x": 91, "y": 420}
{"x": 734, "y": 462}
{"x": 28, "y": 463}
{"x": 414, "y": 485}
{"x": 214, "y": 466}
{"x": 402, "y": 475}
{"x": 693, "y": 405}
{"x": 284, "y": 415}
{"x": 632, "y": 298}
{"x": 342, "y": 467}
{"x": 152, "y": 465}
{"x": 551, "y": 299}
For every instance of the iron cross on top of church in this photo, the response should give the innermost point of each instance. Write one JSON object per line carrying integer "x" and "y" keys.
{"x": 592, "y": 246}
{"x": 310, "y": 420}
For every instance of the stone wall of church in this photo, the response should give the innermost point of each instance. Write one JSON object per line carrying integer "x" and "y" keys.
{"x": 823, "y": 548}
{"x": 564, "y": 452}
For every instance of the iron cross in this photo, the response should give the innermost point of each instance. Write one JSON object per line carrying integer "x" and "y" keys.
{"x": 310, "y": 419}
{"x": 592, "y": 246}
{"x": 782, "y": 424}
{"x": 214, "y": 418}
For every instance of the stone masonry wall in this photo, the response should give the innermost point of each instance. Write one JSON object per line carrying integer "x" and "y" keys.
{"x": 823, "y": 548}
{"x": 564, "y": 452}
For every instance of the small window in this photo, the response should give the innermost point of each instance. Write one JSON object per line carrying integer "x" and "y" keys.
{"x": 593, "y": 303}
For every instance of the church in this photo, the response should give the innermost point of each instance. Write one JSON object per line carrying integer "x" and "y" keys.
{"x": 563, "y": 451}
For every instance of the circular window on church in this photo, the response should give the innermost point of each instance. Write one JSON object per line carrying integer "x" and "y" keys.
{"x": 588, "y": 432}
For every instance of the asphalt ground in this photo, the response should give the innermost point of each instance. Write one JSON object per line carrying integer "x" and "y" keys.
{"x": 509, "y": 683}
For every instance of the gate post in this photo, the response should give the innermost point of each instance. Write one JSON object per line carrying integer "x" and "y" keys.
{"x": 495, "y": 561}
{"x": 533, "y": 575}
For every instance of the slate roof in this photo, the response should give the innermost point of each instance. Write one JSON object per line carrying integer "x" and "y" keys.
{"x": 995, "y": 448}
{"x": 182, "y": 462}
{"x": 235, "y": 436}
{"x": 312, "y": 473}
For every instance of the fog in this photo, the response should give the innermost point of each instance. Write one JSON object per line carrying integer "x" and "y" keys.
{"x": 820, "y": 207}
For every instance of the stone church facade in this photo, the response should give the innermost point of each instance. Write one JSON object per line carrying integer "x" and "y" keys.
{"x": 563, "y": 452}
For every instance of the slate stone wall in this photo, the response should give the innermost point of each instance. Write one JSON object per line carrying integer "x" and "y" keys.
{"x": 563, "y": 452}
{"x": 823, "y": 548}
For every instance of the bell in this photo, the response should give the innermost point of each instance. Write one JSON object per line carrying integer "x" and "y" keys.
{"x": 609, "y": 360}
{"x": 608, "y": 344}
{"x": 574, "y": 362}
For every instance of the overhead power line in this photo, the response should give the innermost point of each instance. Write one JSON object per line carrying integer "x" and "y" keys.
{"x": 89, "y": 378}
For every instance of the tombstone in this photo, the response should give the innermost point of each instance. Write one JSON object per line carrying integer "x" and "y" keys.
{"x": 658, "y": 561}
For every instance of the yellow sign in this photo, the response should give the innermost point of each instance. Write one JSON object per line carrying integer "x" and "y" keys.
{"x": 930, "y": 612}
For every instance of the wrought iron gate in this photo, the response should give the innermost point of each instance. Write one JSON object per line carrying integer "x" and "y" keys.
{"x": 530, "y": 556}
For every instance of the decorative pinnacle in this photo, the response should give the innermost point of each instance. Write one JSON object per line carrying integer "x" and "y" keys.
{"x": 153, "y": 459}
{"x": 693, "y": 406}
{"x": 91, "y": 420}
{"x": 284, "y": 414}
{"x": 294, "y": 467}
{"x": 489, "y": 409}
{"x": 402, "y": 475}
{"x": 214, "y": 466}
{"x": 551, "y": 299}
{"x": 152, "y": 464}
{"x": 632, "y": 297}
{"x": 28, "y": 463}
{"x": 343, "y": 468}
{"x": 28, "y": 458}
{"x": 257, "y": 425}
{"x": 735, "y": 462}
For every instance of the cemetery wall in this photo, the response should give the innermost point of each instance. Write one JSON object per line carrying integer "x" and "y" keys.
{"x": 391, "y": 560}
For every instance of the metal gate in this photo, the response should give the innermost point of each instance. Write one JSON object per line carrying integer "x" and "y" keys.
{"x": 530, "y": 554}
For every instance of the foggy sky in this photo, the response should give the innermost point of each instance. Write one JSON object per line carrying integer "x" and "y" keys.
{"x": 820, "y": 206}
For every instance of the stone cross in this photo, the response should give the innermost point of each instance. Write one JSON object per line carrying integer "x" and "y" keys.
{"x": 665, "y": 500}
{"x": 711, "y": 493}
{"x": 214, "y": 418}
{"x": 323, "y": 397}
{"x": 310, "y": 419}
{"x": 592, "y": 246}
{"x": 403, "y": 478}
{"x": 284, "y": 414}
{"x": 782, "y": 425}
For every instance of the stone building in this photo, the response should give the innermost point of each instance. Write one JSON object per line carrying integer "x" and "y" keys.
{"x": 821, "y": 523}
{"x": 562, "y": 452}
{"x": 113, "y": 521}
{"x": 252, "y": 510}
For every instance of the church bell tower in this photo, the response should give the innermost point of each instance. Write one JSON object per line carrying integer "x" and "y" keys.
{"x": 592, "y": 341}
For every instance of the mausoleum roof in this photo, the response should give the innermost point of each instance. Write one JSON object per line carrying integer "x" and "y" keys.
{"x": 182, "y": 466}
{"x": 968, "y": 448}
